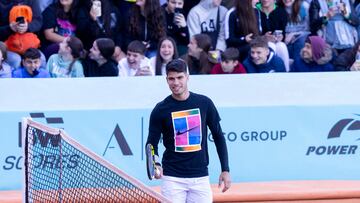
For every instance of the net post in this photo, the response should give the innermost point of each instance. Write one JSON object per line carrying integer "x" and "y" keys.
{"x": 24, "y": 126}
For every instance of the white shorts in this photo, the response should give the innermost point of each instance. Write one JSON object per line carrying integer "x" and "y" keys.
{"x": 181, "y": 190}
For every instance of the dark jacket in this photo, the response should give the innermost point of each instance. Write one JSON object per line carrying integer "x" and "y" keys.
{"x": 180, "y": 35}
{"x": 301, "y": 66}
{"x": 273, "y": 64}
{"x": 145, "y": 34}
{"x": 5, "y": 7}
{"x": 276, "y": 20}
{"x": 316, "y": 22}
{"x": 92, "y": 69}
{"x": 345, "y": 60}
{"x": 320, "y": 65}
{"x": 89, "y": 30}
{"x": 236, "y": 39}
{"x": 196, "y": 66}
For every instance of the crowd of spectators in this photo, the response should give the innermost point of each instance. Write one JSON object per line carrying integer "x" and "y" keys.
{"x": 95, "y": 38}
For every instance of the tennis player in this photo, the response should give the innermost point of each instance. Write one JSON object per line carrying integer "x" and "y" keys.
{"x": 182, "y": 119}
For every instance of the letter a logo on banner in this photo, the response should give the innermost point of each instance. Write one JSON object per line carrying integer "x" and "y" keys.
{"x": 120, "y": 139}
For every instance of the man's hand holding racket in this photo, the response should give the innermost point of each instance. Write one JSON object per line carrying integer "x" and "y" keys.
{"x": 153, "y": 166}
{"x": 158, "y": 171}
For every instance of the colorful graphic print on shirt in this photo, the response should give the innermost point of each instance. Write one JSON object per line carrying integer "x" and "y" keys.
{"x": 187, "y": 130}
{"x": 65, "y": 28}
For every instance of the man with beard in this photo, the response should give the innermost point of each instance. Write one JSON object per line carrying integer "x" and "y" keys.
{"x": 314, "y": 57}
{"x": 182, "y": 119}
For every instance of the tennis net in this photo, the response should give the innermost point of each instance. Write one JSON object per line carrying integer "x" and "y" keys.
{"x": 58, "y": 169}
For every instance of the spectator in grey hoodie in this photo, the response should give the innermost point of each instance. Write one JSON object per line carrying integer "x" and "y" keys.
{"x": 208, "y": 17}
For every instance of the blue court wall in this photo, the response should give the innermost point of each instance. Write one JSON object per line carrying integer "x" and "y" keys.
{"x": 277, "y": 126}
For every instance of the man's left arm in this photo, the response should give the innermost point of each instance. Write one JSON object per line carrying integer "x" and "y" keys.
{"x": 213, "y": 121}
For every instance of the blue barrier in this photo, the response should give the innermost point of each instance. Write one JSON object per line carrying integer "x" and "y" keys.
{"x": 277, "y": 126}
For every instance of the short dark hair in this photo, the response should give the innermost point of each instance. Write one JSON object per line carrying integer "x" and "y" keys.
{"x": 137, "y": 47}
{"x": 259, "y": 41}
{"x": 106, "y": 47}
{"x": 32, "y": 53}
{"x": 176, "y": 65}
{"x": 230, "y": 54}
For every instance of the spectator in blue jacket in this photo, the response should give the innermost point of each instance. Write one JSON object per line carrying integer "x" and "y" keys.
{"x": 31, "y": 66}
{"x": 314, "y": 57}
{"x": 262, "y": 59}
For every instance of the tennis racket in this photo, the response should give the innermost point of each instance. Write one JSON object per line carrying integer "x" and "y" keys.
{"x": 150, "y": 162}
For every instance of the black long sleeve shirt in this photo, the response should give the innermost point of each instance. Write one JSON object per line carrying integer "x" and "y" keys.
{"x": 183, "y": 125}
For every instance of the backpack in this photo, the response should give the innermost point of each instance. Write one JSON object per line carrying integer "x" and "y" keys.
{"x": 17, "y": 42}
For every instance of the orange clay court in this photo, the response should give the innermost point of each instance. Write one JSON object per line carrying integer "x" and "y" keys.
{"x": 273, "y": 192}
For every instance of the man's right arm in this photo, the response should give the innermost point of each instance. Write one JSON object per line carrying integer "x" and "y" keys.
{"x": 154, "y": 138}
{"x": 155, "y": 129}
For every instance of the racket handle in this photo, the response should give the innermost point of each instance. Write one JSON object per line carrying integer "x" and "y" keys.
{"x": 157, "y": 172}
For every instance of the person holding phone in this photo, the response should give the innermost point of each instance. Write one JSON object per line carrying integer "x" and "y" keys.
{"x": 100, "y": 19}
{"x": 336, "y": 22}
{"x": 8, "y": 28}
{"x": 241, "y": 27}
{"x": 297, "y": 28}
{"x": 176, "y": 25}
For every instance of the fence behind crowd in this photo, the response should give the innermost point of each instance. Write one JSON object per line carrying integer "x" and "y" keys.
{"x": 277, "y": 126}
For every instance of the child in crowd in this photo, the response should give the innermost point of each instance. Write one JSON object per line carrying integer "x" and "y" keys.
{"x": 5, "y": 69}
{"x": 31, "y": 66}
{"x": 262, "y": 59}
{"x": 229, "y": 63}
{"x": 99, "y": 63}
{"x": 166, "y": 52}
{"x": 198, "y": 58}
{"x": 66, "y": 63}
{"x": 135, "y": 63}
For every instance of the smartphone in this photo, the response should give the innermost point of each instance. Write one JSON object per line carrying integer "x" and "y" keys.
{"x": 96, "y": 6}
{"x": 177, "y": 11}
{"x": 20, "y": 20}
